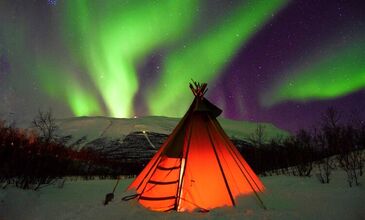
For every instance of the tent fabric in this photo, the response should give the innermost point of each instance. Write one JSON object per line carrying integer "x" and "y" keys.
{"x": 197, "y": 167}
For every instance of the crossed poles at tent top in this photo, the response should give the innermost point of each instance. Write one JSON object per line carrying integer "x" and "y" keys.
{"x": 198, "y": 89}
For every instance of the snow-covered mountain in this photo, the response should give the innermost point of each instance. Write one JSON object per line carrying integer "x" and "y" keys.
{"x": 118, "y": 128}
{"x": 138, "y": 139}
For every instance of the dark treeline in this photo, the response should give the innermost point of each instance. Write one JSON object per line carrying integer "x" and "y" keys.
{"x": 39, "y": 157}
{"x": 333, "y": 144}
{"x": 36, "y": 158}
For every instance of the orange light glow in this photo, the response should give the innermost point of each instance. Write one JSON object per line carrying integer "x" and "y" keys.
{"x": 198, "y": 167}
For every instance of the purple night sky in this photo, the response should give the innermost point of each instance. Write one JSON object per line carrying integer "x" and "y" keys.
{"x": 289, "y": 37}
{"x": 285, "y": 49}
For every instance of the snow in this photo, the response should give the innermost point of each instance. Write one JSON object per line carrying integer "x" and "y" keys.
{"x": 286, "y": 197}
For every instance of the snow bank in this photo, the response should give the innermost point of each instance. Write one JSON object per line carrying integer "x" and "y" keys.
{"x": 286, "y": 197}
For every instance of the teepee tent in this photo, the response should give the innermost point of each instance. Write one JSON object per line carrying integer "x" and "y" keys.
{"x": 197, "y": 167}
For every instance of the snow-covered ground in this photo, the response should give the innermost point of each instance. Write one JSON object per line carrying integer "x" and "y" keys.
{"x": 286, "y": 197}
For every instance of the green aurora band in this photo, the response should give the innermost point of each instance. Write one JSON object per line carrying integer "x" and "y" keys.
{"x": 81, "y": 101}
{"x": 205, "y": 58}
{"x": 86, "y": 53}
{"x": 332, "y": 76}
{"x": 35, "y": 56}
{"x": 112, "y": 38}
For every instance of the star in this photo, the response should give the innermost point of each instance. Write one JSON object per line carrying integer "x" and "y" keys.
{"x": 52, "y": 2}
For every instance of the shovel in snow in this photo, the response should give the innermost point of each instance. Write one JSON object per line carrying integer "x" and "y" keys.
{"x": 110, "y": 196}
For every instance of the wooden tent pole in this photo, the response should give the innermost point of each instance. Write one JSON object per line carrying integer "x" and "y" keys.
{"x": 116, "y": 184}
{"x": 239, "y": 163}
{"x": 220, "y": 165}
{"x": 179, "y": 187}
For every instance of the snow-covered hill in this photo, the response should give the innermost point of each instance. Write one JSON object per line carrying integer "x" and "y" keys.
{"x": 118, "y": 128}
{"x": 286, "y": 198}
{"x": 137, "y": 139}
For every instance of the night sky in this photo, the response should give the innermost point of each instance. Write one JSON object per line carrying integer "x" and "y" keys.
{"x": 276, "y": 61}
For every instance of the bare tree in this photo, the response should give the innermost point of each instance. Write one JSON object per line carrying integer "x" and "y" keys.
{"x": 45, "y": 124}
{"x": 331, "y": 118}
{"x": 359, "y": 125}
{"x": 303, "y": 142}
{"x": 325, "y": 164}
{"x": 258, "y": 137}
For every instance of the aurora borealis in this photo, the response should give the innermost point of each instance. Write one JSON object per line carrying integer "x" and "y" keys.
{"x": 263, "y": 60}
{"x": 213, "y": 49}
{"x": 113, "y": 37}
{"x": 332, "y": 76}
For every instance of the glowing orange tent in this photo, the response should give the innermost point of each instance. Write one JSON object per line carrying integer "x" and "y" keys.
{"x": 197, "y": 167}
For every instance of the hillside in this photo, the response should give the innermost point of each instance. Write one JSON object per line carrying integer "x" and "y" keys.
{"x": 118, "y": 128}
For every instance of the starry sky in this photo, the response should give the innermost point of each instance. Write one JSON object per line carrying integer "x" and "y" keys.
{"x": 278, "y": 61}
